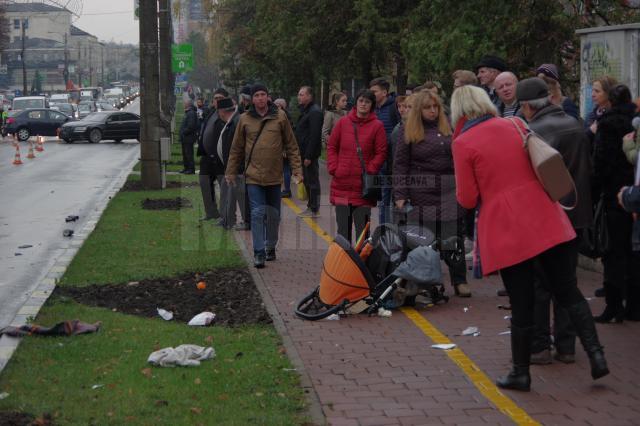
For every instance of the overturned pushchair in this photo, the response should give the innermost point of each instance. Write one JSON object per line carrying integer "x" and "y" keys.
{"x": 397, "y": 265}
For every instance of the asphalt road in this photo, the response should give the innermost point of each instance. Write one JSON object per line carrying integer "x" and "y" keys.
{"x": 35, "y": 198}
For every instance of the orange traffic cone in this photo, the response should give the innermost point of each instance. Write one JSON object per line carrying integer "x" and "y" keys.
{"x": 30, "y": 154}
{"x": 16, "y": 159}
{"x": 40, "y": 143}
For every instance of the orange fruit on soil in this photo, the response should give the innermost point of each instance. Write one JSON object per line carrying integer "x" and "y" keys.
{"x": 201, "y": 285}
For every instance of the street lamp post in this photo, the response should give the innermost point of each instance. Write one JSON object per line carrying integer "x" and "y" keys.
{"x": 24, "y": 64}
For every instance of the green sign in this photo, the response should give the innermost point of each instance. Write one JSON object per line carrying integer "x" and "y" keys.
{"x": 181, "y": 57}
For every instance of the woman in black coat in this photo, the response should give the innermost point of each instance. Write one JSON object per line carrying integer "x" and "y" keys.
{"x": 611, "y": 172}
{"x": 424, "y": 178}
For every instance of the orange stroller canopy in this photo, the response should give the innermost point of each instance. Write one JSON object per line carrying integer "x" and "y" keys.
{"x": 344, "y": 276}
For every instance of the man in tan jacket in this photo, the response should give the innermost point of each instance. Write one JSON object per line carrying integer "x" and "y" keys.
{"x": 262, "y": 135}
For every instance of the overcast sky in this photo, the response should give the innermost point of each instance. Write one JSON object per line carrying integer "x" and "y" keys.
{"x": 109, "y": 20}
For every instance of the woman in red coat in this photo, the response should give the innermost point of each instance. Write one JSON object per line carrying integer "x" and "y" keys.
{"x": 518, "y": 225}
{"x": 344, "y": 165}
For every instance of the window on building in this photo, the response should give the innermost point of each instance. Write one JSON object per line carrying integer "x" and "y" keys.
{"x": 26, "y": 24}
{"x": 16, "y": 24}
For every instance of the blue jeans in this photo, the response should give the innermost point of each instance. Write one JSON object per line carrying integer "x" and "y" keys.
{"x": 265, "y": 216}
{"x": 287, "y": 175}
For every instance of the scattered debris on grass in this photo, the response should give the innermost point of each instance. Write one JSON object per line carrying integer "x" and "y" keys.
{"x": 166, "y": 203}
{"x": 65, "y": 328}
{"x": 183, "y": 355}
{"x": 166, "y": 315}
{"x": 203, "y": 319}
{"x": 230, "y": 293}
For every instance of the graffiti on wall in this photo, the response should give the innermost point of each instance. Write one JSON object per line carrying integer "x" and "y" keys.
{"x": 599, "y": 57}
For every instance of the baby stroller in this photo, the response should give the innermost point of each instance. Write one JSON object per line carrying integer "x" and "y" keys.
{"x": 397, "y": 264}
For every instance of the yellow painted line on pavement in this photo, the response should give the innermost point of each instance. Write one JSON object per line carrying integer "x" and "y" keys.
{"x": 309, "y": 221}
{"x": 480, "y": 380}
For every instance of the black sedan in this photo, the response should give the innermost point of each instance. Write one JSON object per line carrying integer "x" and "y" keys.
{"x": 109, "y": 125}
{"x": 34, "y": 122}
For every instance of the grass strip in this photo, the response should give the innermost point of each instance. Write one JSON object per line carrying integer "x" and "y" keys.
{"x": 249, "y": 382}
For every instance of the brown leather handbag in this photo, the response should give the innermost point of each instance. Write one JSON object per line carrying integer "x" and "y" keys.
{"x": 549, "y": 166}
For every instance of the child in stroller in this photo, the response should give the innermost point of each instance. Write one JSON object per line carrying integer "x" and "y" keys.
{"x": 396, "y": 265}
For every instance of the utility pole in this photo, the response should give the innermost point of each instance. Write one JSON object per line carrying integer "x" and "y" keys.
{"x": 24, "y": 64}
{"x": 90, "y": 64}
{"x": 152, "y": 175}
{"x": 66, "y": 63}
{"x": 102, "y": 64}
{"x": 167, "y": 103}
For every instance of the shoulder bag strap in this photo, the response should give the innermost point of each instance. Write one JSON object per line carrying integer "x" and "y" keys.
{"x": 524, "y": 142}
{"x": 520, "y": 132}
{"x": 264, "y": 122}
{"x": 359, "y": 150}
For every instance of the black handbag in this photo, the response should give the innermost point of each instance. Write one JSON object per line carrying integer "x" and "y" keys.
{"x": 594, "y": 240}
{"x": 371, "y": 189}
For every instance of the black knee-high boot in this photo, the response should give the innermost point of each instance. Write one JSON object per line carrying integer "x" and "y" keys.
{"x": 519, "y": 378}
{"x": 582, "y": 319}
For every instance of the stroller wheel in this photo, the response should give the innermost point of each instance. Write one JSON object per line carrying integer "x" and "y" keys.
{"x": 312, "y": 309}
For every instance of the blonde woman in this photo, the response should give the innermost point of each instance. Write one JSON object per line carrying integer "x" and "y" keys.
{"x": 424, "y": 177}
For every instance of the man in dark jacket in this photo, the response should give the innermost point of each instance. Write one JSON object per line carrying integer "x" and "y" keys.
{"x": 209, "y": 164}
{"x": 386, "y": 112}
{"x": 229, "y": 195}
{"x": 565, "y": 134}
{"x": 188, "y": 136}
{"x": 308, "y": 133}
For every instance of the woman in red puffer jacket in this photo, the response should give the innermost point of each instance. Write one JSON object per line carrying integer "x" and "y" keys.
{"x": 344, "y": 165}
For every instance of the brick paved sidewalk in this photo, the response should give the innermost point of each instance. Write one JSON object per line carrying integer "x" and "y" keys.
{"x": 383, "y": 371}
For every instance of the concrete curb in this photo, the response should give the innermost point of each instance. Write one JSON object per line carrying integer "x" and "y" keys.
{"x": 315, "y": 408}
{"x": 39, "y": 296}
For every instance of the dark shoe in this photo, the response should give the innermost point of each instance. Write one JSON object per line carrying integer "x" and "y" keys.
{"x": 565, "y": 358}
{"x": 598, "y": 364}
{"x": 519, "y": 377}
{"x": 502, "y": 292}
{"x": 285, "y": 194}
{"x": 242, "y": 227}
{"x": 188, "y": 172}
{"x": 222, "y": 223}
{"x": 599, "y": 292}
{"x": 270, "y": 254}
{"x": 462, "y": 290}
{"x": 207, "y": 218}
{"x": 610, "y": 315}
{"x": 258, "y": 260}
{"x": 541, "y": 358}
{"x": 583, "y": 321}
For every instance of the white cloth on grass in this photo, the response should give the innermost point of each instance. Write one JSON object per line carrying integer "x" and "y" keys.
{"x": 183, "y": 355}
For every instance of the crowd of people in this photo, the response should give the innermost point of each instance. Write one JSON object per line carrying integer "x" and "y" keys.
{"x": 458, "y": 169}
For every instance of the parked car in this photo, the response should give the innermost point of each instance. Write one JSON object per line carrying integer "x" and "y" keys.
{"x": 69, "y": 109}
{"x": 34, "y": 122}
{"x": 107, "y": 125}
{"x": 25, "y": 102}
